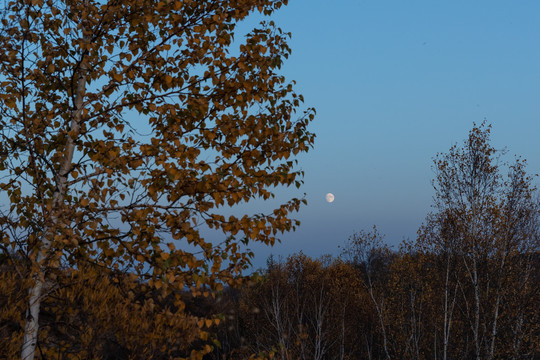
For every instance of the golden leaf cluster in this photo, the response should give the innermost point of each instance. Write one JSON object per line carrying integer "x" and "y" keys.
{"x": 126, "y": 126}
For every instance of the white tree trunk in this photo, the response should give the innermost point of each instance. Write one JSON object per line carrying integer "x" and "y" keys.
{"x": 380, "y": 316}
{"x": 38, "y": 276}
{"x": 448, "y": 310}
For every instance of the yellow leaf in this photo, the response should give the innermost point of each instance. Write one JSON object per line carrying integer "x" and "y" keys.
{"x": 117, "y": 77}
{"x": 168, "y": 79}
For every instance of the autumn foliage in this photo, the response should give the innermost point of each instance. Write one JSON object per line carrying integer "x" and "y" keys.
{"x": 126, "y": 127}
{"x": 131, "y": 128}
{"x": 468, "y": 287}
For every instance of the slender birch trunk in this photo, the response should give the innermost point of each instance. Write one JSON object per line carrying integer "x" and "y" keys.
{"x": 36, "y": 291}
{"x": 381, "y": 318}
{"x": 368, "y": 348}
{"x": 320, "y": 341}
{"x": 448, "y": 310}
{"x": 276, "y": 320}
{"x": 342, "y": 340}
{"x": 517, "y": 328}
{"x": 476, "y": 326}
{"x": 493, "y": 334}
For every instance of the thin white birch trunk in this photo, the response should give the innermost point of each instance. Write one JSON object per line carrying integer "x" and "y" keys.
{"x": 276, "y": 320}
{"x": 342, "y": 340}
{"x": 320, "y": 341}
{"x": 491, "y": 353}
{"x": 381, "y": 317}
{"x": 476, "y": 326}
{"x": 448, "y": 311}
{"x": 36, "y": 291}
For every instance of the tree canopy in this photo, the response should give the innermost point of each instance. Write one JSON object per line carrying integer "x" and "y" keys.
{"x": 126, "y": 126}
{"x": 468, "y": 287}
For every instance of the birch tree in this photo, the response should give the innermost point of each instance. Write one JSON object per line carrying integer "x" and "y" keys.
{"x": 367, "y": 250}
{"x": 486, "y": 221}
{"x": 127, "y": 126}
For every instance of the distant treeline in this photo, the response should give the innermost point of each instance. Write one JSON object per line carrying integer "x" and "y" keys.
{"x": 467, "y": 287}
{"x": 393, "y": 305}
{"x": 389, "y": 305}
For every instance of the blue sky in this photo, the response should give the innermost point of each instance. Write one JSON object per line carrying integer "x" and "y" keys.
{"x": 393, "y": 83}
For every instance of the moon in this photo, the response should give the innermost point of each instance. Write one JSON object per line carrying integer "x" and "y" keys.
{"x": 330, "y": 197}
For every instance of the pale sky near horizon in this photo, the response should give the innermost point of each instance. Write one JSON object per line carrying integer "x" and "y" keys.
{"x": 394, "y": 83}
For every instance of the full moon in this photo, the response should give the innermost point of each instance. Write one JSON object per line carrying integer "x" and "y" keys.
{"x": 330, "y": 197}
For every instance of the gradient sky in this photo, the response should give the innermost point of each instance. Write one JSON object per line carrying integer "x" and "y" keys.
{"x": 393, "y": 83}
